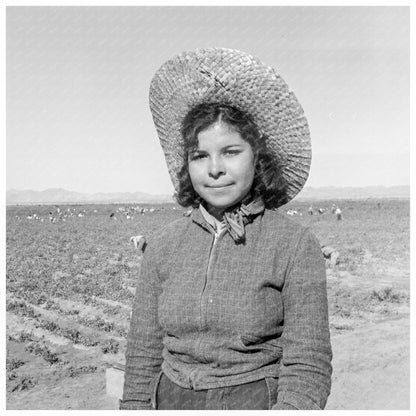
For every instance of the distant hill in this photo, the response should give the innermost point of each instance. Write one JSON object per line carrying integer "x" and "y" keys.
{"x": 332, "y": 192}
{"x": 62, "y": 196}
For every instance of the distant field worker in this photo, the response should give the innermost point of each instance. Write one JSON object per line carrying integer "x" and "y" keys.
{"x": 139, "y": 242}
{"x": 310, "y": 210}
{"x": 331, "y": 256}
{"x": 338, "y": 213}
{"x": 231, "y": 308}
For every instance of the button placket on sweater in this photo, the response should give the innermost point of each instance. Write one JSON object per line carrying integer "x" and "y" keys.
{"x": 205, "y": 303}
{"x": 207, "y": 300}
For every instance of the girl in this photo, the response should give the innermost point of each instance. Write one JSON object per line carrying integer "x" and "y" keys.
{"x": 231, "y": 304}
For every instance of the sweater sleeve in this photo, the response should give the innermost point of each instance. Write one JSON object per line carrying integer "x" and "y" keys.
{"x": 305, "y": 375}
{"x": 144, "y": 342}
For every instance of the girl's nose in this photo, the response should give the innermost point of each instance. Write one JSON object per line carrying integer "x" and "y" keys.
{"x": 216, "y": 167}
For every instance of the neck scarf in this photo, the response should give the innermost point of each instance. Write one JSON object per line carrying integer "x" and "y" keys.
{"x": 236, "y": 218}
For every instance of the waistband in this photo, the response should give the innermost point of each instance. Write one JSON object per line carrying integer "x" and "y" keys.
{"x": 257, "y": 395}
{"x": 197, "y": 378}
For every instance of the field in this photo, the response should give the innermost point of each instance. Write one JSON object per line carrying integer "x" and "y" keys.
{"x": 70, "y": 285}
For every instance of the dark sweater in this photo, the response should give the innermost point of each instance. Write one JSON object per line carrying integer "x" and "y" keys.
{"x": 212, "y": 313}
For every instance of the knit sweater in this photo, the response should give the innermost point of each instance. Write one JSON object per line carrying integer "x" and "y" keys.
{"x": 212, "y": 313}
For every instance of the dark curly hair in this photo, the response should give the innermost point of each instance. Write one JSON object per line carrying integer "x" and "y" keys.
{"x": 268, "y": 181}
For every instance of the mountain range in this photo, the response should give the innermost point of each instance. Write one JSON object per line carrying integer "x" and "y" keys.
{"x": 351, "y": 192}
{"x": 62, "y": 196}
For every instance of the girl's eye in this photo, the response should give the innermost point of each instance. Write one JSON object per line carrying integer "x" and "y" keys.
{"x": 231, "y": 152}
{"x": 196, "y": 156}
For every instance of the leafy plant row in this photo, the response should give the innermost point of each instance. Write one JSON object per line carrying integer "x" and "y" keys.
{"x": 73, "y": 334}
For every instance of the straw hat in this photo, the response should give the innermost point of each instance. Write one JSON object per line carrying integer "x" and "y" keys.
{"x": 242, "y": 81}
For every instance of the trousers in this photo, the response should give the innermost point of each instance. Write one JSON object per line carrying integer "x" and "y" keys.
{"x": 256, "y": 395}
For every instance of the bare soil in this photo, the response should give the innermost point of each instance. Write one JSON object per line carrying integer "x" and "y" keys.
{"x": 371, "y": 367}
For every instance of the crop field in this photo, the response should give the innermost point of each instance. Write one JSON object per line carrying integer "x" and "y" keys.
{"x": 70, "y": 285}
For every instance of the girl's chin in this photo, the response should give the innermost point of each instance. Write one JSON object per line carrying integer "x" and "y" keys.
{"x": 220, "y": 206}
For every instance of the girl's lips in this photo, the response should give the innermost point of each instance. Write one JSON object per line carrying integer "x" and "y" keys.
{"x": 219, "y": 186}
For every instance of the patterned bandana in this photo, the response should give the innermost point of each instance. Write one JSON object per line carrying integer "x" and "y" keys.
{"x": 236, "y": 218}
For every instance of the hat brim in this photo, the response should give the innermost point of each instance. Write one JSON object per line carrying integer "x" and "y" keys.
{"x": 242, "y": 81}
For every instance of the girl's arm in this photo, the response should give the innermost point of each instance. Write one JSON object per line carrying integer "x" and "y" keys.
{"x": 305, "y": 376}
{"x": 144, "y": 343}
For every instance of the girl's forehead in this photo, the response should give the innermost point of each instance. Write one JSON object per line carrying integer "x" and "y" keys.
{"x": 220, "y": 125}
{"x": 219, "y": 134}
{"x": 218, "y": 128}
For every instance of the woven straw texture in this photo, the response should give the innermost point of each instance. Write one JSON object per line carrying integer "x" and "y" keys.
{"x": 238, "y": 79}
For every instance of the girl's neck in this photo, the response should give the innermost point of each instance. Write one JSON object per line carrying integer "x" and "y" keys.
{"x": 217, "y": 213}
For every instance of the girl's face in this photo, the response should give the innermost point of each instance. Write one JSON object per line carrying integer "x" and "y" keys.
{"x": 222, "y": 168}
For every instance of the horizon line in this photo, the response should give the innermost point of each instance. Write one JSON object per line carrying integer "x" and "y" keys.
{"x": 164, "y": 193}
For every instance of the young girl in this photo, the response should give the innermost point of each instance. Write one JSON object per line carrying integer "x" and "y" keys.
{"x": 231, "y": 304}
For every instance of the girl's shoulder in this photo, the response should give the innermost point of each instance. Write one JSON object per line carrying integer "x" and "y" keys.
{"x": 275, "y": 219}
{"x": 170, "y": 231}
{"x": 288, "y": 234}
{"x": 281, "y": 227}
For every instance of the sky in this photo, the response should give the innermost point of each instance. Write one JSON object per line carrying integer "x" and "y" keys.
{"x": 77, "y": 82}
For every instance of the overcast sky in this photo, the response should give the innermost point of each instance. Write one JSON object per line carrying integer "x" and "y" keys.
{"x": 78, "y": 80}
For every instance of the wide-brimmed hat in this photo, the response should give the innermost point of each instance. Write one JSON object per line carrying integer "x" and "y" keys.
{"x": 219, "y": 75}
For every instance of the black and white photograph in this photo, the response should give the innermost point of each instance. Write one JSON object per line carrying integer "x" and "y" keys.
{"x": 208, "y": 207}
